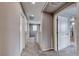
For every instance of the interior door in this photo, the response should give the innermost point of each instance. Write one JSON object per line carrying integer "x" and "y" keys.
{"x": 63, "y": 33}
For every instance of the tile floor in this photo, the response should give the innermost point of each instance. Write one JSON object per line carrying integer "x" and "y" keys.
{"x": 32, "y": 49}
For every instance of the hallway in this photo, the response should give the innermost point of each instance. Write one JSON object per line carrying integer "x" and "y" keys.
{"x": 48, "y": 31}
{"x": 32, "y": 49}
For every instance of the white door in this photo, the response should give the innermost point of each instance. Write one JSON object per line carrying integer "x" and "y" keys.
{"x": 63, "y": 33}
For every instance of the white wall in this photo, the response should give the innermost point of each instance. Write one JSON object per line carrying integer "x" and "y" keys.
{"x": 9, "y": 29}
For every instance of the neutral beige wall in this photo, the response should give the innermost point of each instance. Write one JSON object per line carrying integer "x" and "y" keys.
{"x": 77, "y": 29}
{"x": 9, "y": 28}
{"x": 47, "y": 37}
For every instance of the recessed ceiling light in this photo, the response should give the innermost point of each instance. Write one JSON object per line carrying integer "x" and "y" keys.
{"x": 33, "y": 2}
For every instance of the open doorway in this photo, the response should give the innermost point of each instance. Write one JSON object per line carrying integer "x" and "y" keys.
{"x": 34, "y": 29}
{"x": 65, "y": 30}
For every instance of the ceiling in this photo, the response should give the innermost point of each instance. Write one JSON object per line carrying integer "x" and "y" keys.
{"x": 69, "y": 11}
{"x": 33, "y": 9}
{"x": 52, "y": 6}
